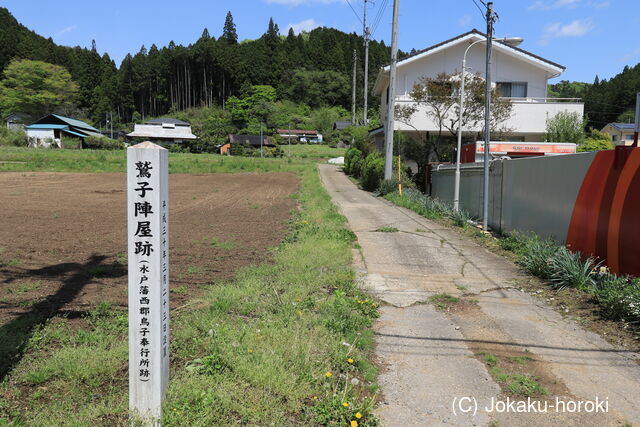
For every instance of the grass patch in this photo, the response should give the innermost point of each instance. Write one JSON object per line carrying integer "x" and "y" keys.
{"x": 522, "y": 360}
{"x": 444, "y": 302}
{"x": 386, "y": 230}
{"x": 180, "y": 290}
{"x": 221, "y": 244}
{"x": 278, "y": 345}
{"x": 194, "y": 269}
{"x": 23, "y": 288}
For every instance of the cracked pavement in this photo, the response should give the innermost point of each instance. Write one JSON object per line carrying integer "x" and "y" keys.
{"x": 429, "y": 357}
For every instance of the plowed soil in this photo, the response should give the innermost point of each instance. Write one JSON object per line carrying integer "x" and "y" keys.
{"x": 63, "y": 237}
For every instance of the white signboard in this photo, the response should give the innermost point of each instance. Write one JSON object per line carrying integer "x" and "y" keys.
{"x": 148, "y": 258}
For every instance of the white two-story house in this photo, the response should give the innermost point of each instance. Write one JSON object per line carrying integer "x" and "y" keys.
{"x": 521, "y": 77}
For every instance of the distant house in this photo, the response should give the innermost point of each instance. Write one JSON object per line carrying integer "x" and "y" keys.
{"x": 621, "y": 133}
{"x": 17, "y": 121}
{"x": 53, "y": 128}
{"x": 164, "y": 130}
{"x": 116, "y": 134}
{"x": 520, "y": 76}
{"x": 342, "y": 125}
{"x": 251, "y": 141}
{"x": 301, "y": 135}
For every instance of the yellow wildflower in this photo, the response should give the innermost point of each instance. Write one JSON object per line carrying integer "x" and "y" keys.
{"x": 350, "y": 360}
{"x": 354, "y": 423}
{"x": 358, "y": 415}
{"x": 328, "y": 374}
{"x": 345, "y": 404}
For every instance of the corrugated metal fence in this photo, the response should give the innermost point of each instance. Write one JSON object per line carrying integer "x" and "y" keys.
{"x": 532, "y": 194}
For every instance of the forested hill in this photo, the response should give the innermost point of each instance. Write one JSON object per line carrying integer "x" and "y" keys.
{"x": 314, "y": 68}
{"x": 606, "y": 101}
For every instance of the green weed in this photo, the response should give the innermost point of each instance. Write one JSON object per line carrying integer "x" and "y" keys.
{"x": 386, "y": 229}
{"x": 444, "y": 302}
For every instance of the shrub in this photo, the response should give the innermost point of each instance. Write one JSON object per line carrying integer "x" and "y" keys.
{"x": 537, "y": 256}
{"x": 568, "y": 269}
{"x": 10, "y": 137}
{"x": 372, "y": 171}
{"x": 353, "y": 161}
{"x": 102, "y": 143}
{"x": 618, "y": 296}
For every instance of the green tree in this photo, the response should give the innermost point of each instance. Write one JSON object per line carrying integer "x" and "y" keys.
{"x": 36, "y": 87}
{"x": 229, "y": 33}
{"x": 596, "y": 141}
{"x": 565, "y": 127}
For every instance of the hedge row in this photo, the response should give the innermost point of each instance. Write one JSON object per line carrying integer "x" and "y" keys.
{"x": 369, "y": 169}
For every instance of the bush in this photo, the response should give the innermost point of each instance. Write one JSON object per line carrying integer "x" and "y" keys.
{"x": 372, "y": 171}
{"x": 102, "y": 143}
{"x": 568, "y": 269}
{"x": 353, "y": 162}
{"x": 618, "y": 296}
{"x": 537, "y": 255}
{"x": 565, "y": 127}
{"x": 13, "y": 138}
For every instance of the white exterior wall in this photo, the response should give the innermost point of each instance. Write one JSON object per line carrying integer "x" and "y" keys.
{"x": 504, "y": 68}
{"x": 529, "y": 114}
{"x": 41, "y": 135}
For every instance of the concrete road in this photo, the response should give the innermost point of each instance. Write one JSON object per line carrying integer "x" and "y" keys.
{"x": 433, "y": 361}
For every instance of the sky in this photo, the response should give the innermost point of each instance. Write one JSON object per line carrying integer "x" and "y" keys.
{"x": 589, "y": 37}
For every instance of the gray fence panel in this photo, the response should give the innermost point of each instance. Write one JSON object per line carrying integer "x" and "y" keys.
{"x": 533, "y": 194}
{"x": 540, "y": 193}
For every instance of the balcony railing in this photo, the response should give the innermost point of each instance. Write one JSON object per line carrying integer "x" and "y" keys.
{"x": 407, "y": 98}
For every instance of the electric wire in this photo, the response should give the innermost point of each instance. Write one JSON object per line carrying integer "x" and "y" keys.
{"x": 354, "y": 12}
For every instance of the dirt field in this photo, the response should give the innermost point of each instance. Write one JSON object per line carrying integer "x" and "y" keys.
{"x": 63, "y": 237}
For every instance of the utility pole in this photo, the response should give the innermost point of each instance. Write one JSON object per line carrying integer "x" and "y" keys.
{"x": 389, "y": 128}
{"x": 366, "y": 63}
{"x": 111, "y": 122}
{"x": 289, "y": 139}
{"x": 487, "y": 119}
{"x": 353, "y": 94}
{"x": 260, "y": 140}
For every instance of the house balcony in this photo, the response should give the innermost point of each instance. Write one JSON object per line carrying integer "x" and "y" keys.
{"x": 528, "y": 117}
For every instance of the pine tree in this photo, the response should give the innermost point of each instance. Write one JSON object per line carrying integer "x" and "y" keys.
{"x": 229, "y": 33}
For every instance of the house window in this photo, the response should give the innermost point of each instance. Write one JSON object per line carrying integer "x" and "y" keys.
{"x": 629, "y": 137}
{"x": 615, "y": 138}
{"x": 512, "y": 89}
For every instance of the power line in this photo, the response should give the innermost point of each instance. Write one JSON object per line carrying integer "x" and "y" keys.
{"x": 354, "y": 12}
{"x": 480, "y": 9}
{"x": 379, "y": 16}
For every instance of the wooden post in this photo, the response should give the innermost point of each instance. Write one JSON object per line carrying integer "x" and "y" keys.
{"x": 148, "y": 259}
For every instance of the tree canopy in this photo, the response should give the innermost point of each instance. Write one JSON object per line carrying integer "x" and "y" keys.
{"x": 162, "y": 79}
{"x": 36, "y": 87}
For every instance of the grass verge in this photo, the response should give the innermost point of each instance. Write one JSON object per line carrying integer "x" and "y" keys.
{"x": 285, "y": 343}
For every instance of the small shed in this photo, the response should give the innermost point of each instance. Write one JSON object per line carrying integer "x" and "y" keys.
{"x": 51, "y": 129}
{"x": 17, "y": 121}
{"x": 163, "y": 131}
{"x": 251, "y": 141}
{"x": 301, "y": 135}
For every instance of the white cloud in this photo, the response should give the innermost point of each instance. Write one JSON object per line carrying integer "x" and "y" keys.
{"x": 601, "y": 5}
{"x": 306, "y": 25}
{"x": 67, "y": 30}
{"x": 557, "y": 4}
{"x": 300, "y": 2}
{"x": 464, "y": 21}
{"x": 577, "y": 28}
